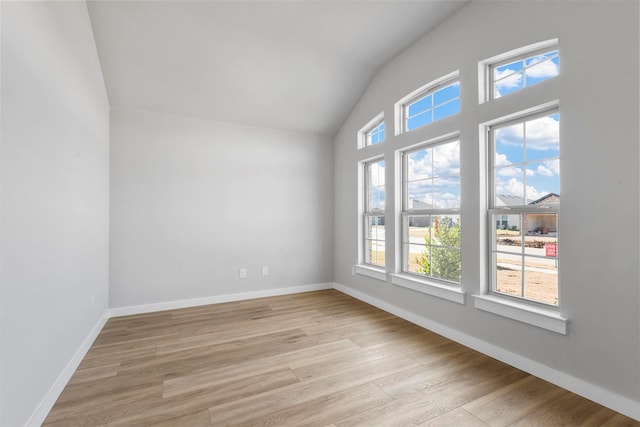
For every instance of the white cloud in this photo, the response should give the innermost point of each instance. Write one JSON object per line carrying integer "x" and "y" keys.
{"x": 377, "y": 174}
{"x": 530, "y": 172}
{"x": 510, "y": 135}
{"x": 420, "y": 168}
{"x": 446, "y": 200}
{"x": 544, "y": 171}
{"x": 516, "y": 188}
{"x": 441, "y": 161}
{"x": 445, "y": 161}
{"x": 510, "y": 79}
{"x": 553, "y": 166}
{"x": 541, "y": 134}
{"x": 542, "y": 70}
{"x": 501, "y": 160}
{"x": 507, "y": 172}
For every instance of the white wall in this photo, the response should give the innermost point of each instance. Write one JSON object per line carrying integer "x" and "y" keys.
{"x": 598, "y": 95}
{"x": 54, "y": 201}
{"x": 193, "y": 201}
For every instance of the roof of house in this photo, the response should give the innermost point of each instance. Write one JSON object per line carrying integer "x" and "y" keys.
{"x": 543, "y": 198}
{"x": 510, "y": 200}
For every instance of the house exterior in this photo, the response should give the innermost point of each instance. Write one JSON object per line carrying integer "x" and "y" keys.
{"x": 535, "y": 224}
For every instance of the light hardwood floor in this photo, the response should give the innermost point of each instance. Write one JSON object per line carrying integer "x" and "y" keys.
{"x": 315, "y": 359}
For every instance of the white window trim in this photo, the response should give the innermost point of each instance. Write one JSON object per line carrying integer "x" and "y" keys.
{"x": 525, "y": 311}
{"x": 515, "y": 210}
{"x": 404, "y": 278}
{"x": 363, "y": 267}
{"x": 542, "y": 317}
{"x": 370, "y": 271}
{"x": 373, "y": 123}
{"x": 451, "y": 292}
{"x": 485, "y": 83}
{"x": 399, "y": 108}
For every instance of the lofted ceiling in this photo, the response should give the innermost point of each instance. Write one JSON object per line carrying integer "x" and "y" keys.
{"x": 285, "y": 64}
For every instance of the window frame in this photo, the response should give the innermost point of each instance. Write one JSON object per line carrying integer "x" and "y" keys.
{"x": 407, "y": 211}
{"x": 364, "y": 134}
{"x": 445, "y": 290}
{"x": 371, "y": 213}
{"x": 494, "y": 211}
{"x": 487, "y": 67}
{"x": 402, "y": 106}
{"x": 378, "y": 130}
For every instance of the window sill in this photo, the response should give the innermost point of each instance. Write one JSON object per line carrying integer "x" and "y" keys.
{"x": 450, "y": 293}
{"x": 370, "y": 271}
{"x": 537, "y": 316}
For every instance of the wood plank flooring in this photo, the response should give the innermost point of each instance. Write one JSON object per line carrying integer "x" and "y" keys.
{"x": 313, "y": 359}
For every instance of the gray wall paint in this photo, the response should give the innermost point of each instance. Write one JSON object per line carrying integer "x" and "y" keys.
{"x": 54, "y": 201}
{"x": 598, "y": 93}
{"x": 193, "y": 201}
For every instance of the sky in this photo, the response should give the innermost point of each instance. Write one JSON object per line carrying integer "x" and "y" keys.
{"x": 516, "y": 75}
{"x": 433, "y": 175}
{"x": 526, "y": 155}
{"x": 434, "y": 106}
{"x": 376, "y": 196}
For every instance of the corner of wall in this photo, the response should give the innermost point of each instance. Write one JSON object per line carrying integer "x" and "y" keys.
{"x": 45, "y": 405}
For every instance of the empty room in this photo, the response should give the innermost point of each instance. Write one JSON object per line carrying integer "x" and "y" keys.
{"x": 320, "y": 213}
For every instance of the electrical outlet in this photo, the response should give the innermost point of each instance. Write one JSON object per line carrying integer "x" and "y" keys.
{"x": 243, "y": 273}
{"x": 265, "y": 270}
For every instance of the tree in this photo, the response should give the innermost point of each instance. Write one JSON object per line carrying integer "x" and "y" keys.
{"x": 444, "y": 262}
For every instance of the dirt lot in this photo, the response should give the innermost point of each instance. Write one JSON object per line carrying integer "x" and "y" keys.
{"x": 541, "y": 286}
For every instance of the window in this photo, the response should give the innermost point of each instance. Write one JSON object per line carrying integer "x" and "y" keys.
{"x": 519, "y": 71}
{"x": 373, "y": 133}
{"x": 431, "y": 103}
{"x": 524, "y": 203}
{"x": 374, "y": 217}
{"x": 431, "y": 211}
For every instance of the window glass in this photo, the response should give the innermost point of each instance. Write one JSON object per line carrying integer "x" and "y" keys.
{"x": 431, "y": 105}
{"x": 373, "y": 217}
{"x": 516, "y": 74}
{"x": 375, "y": 135}
{"x": 431, "y": 220}
{"x": 525, "y": 208}
{"x": 375, "y": 186}
{"x": 526, "y": 161}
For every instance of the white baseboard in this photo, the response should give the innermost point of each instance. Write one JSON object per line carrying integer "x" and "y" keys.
{"x": 624, "y": 405}
{"x": 41, "y": 412}
{"x": 604, "y": 397}
{"x": 195, "y": 302}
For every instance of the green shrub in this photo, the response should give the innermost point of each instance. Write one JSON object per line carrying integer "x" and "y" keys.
{"x": 444, "y": 263}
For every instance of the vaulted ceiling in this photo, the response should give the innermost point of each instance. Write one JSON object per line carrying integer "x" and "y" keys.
{"x": 293, "y": 65}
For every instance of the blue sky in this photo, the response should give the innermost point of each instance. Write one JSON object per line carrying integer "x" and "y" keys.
{"x": 435, "y": 106}
{"x": 433, "y": 175}
{"x": 527, "y": 158}
{"x": 376, "y": 135}
{"x": 515, "y": 75}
